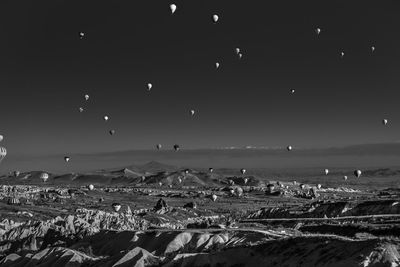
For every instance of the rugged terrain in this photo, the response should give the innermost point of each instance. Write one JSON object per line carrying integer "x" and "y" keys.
{"x": 161, "y": 215}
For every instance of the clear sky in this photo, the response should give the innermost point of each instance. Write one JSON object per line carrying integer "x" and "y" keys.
{"x": 45, "y": 70}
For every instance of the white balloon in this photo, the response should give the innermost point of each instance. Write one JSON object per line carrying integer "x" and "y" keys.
{"x": 357, "y": 173}
{"x": 3, "y": 153}
{"x": 385, "y": 121}
{"x": 116, "y": 206}
{"x": 243, "y": 171}
{"x": 217, "y": 65}
{"x": 292, "y": 91}
{"x": 81, "y": 35}
{"x": 372, "y": 49}
{"x": 1, "y": 138}
{"x": 106, "y": 118}
{"x": 149, "y": 86}
{"x": 86, "y": 97}
{"x": 80, "y": 109}
{"x": 345, "y": 177}
{"x": 326, "y": 171}
{"x": 342, "y": 54}
{"x": 66, "y": 159}
{"x": 215, "y": 18}
{"x": 192, "y": 112}
{"x": 240, "y": 55}
{"x": 214, "y": 197}
{"x": 289, "y": 148}
{"x": 91, "y": 187}
{"x": 44, "y": 176}
{"x": 173, "y": 8}
{"x": 318, "y": 31}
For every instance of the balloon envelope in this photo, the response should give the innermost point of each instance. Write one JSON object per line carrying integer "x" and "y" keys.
{"x": 149, "y": 86}
{"x": 215, "y": 18}
{"x": 44, "y": 176}
{"x": 172, "y": 7}
{"x": 357, "y": 173}
{"x": 116, "y": 206}
{"x": 3, "y": 153}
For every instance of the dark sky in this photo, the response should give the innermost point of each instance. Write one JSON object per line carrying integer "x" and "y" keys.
{"x": 45, "y": 70}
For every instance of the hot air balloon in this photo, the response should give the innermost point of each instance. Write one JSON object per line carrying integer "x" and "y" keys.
{"x": 318, "y": 31}
{"x": 319, "y": 186}
{"x": 172, "y": 7}
{"x": 112, "y": 132}
{"x": 240, "y": 55}
{"x": 239, "y": 191}
{"x": 215, "y": 18}
{"x": 342, "y": 54}
{"x": 289, "y": 148}
{"x": 1, "y": 138}
{"x": 217, "y": 65}
{"x": 149, "y": 86}
{"x": 302, "y": 186}
{"x": 44, "y": 177}
{"x": 294, "y": 182}
{"x": 385, "y": 121}
{"x": 179, "y": 180}
{"x": 81, "y": 35}
{"x": 237, "y": 50}
{"x": 192, "y": 112}
{"x": 66, "y": 159}
{"x": 214, "y": 197}
{"x": 91, "y": 187}
{"x": 86, "y": 97}
{"x": 345, "y": 177}
{"x": 292, "y": 91}
{"x": 3, "y": 153}
{"x": 176, "y": 147}
{"x": 372, "y": 49}
{"x": 17, "y": 173}
{"x": 246, "y": 180}
{"x": 80, "y": 109}
{"x": 232, "y": 191}
{"x": 210, "y": 170}
{"x": 160, "y": 184}
{"x": 116, "y": 207}
{"x": 243, "y": 171}
{"x": 326, "y": 171}
{"x": 105, "y": 118}
{"x": 158, "y": 146}
{"x": 357, "y": 173}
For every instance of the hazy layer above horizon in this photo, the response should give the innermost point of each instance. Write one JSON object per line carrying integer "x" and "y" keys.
{"x": 359, "y": 156}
